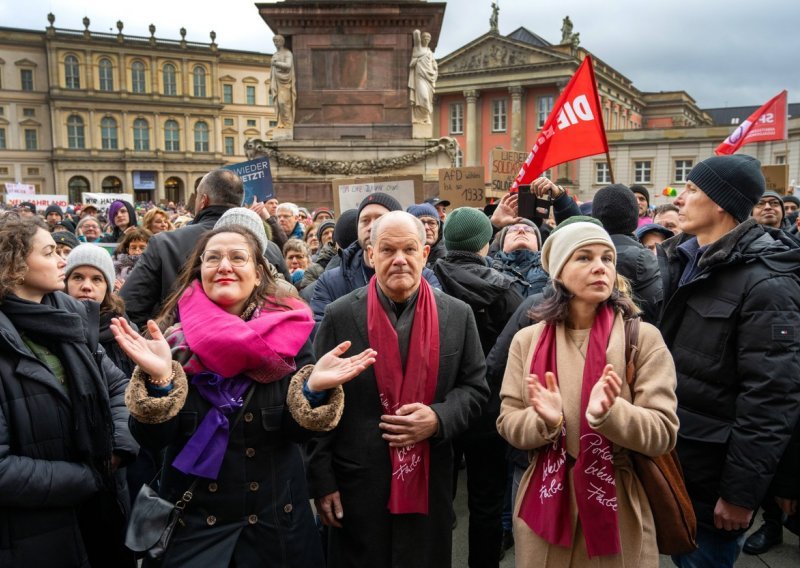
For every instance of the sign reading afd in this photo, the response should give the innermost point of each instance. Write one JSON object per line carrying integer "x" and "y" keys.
{"x": 257, "y": 178}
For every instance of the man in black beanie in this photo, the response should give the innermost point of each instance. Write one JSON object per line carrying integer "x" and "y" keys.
{"x": 354, "y": 271}
{"x": 731, "y": 320}
{"x": 616, "y": 208}
{"x": 642, "y": 203}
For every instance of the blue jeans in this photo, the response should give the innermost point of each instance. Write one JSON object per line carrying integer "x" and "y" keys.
{"x": 713, "y": 551}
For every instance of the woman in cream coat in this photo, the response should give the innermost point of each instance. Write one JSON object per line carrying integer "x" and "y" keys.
{"x": 583, "y": 505}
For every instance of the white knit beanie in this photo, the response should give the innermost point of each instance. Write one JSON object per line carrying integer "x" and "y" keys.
{"x": 565, "y": 240}
{"x": 246, "y": 219}
{"x": 88, "y": 254}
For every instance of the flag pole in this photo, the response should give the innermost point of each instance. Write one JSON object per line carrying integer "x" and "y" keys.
{"x": 610, "y": 169}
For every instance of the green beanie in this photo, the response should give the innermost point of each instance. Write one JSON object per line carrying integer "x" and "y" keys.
{"x": 467, "y": 229}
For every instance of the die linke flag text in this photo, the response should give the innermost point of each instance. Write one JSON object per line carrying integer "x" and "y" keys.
{"x": 767, "y": 123}
{"x": 573, "y": 130}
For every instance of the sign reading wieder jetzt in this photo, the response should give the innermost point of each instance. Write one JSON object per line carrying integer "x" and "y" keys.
{"x": 257, "y": 178}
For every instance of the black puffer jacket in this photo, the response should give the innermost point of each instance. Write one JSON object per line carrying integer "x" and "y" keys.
{"x": 734, "y": 332}
{"x": 640, "y": 266}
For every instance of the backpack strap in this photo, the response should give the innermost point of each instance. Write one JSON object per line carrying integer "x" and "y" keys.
{"x": 631, "y": 348}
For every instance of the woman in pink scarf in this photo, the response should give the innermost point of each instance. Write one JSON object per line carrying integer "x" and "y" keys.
{"x": 232, "y": 341}
{"x": 579, "y": 502}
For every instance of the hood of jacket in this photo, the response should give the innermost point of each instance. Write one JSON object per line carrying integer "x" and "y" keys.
{"x": 468, "y": 277}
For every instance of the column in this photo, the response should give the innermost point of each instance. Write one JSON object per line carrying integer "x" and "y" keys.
{"x": 516, "y": 118}
{"x": 472, "y": 158}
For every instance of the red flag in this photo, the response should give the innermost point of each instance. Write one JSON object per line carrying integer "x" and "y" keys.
{"x": 573, "y": 130}
{"x": 767, "y": 123}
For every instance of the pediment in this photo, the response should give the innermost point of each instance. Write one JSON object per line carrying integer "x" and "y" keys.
{"x": 30, "y": 122}
{"x": 496, "y": 52}
{"x": 25, "y": 63}
{"x": 227, "y": 79}
{"x": 229, "y": 130}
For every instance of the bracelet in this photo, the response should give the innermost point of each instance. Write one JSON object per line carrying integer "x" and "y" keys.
{"x": 163, "y": 383}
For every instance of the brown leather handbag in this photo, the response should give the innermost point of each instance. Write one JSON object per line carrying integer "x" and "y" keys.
{"x": 662, "y": 478}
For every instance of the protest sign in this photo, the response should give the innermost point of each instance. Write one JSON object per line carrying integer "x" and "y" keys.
{"x": 20, "y": 188}
{"x": 348, "y": 193}
{"x": 776, "y": 177}
{"x": 505, "y": 167}
{"x": 103, "y": 200}
{"x": 41, "y": 201}
{"x": 462, "y": 187}
{"x": 257, "y": 178}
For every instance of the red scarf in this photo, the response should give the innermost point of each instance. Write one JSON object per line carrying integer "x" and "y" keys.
{"x": 545, "y": 505}
{"x": 411, "y": 464}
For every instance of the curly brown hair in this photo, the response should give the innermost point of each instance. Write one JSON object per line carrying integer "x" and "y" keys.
{"x": 267, "y": 294}
{"x": 16, "y": 235}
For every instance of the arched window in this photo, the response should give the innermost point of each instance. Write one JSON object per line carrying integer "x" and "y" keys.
{"x": 172, "y": 136}
{"x": 76, "y": 186}
{"x": 141, "y": 135}
{"x": 112, "y": 184}
{"x": 201, "y": 137}
{"x": 199, "y": 74}
{"x": 76, "y": 138}
{"x": 138, "y": 81}
{"x": 169, "y": 80}
{"x": 173, "y": 189}
{"x": 106, "y": 72}
{"x": 72, "y": 72}
{"x": 108, "y": 133}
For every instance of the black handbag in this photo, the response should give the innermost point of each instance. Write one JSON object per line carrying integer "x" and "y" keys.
{"x": 153, "y": 519}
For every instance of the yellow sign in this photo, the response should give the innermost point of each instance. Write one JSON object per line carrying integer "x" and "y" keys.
{"x": 462, "y": 187}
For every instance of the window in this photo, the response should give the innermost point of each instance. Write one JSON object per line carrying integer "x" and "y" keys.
{"x": 229, "y": 146}
{"x": 106, "y": 70}
{"x": 682, "y": 168}
{"x": 735, "y": 120}
{"x": 111, "y": 184}
{"x": 76, "y": 139}
{"x": 601, "y": 173}
{"x": 31, "y": 139}
{"x": 108, "y": 133}
{"x": 499, "y": 115}
{"x": 75, "y": 187}
{"x": 199, "y": 75}
{"x": 138, "y": 81}
{"x": 251, "y": 95}
{"x": 780, "y": 159}
{"x": 201, "y": 137}
{"x": 272, "y": 124}
{"x": 172, "y": 136}
{"x": 72, "y": 73}
{"x": 26, "y": 79}
{"x": 641, "y": 171}
{"x": 168, "y": 78}
{"x": 141, "y": 135}
{"x": 227, "y": 94}
{"x": 2, "y": 138}
{"x": 33, "y": 171}
{"x": 457, "y": 118}
{"x": 459, "y": 161}
{"x": 28, "y": 112}
{"x": 544, "y": 107}
{"x": 227, "y": 121}
{"x": 251, "y": 123}
{"x": 4, "y": 171}
{"x": 271, "y": 100}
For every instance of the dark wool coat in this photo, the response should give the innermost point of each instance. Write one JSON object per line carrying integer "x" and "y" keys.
{"x": 42, "y": 485}
{"x": 640, "y": 267}
{"x": 734, "y": 333}
{"x": 354, "y": 458}
{"x": 257, "y": 512}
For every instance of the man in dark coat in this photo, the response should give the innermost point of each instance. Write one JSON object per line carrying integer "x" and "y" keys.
{"x": 732, "y": 323}
{"x": 434, "y": 238}
{"x": 354, "y": 472}
{"x": 158, "y": 268}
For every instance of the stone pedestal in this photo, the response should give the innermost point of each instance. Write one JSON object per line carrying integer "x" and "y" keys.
{"x": 283, "y": 134}
{"x": 422, "y": 131}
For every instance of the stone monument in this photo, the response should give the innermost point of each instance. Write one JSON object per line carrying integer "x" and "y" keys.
{"x": 422, "y": 76}
{"x": 282, "y": 87}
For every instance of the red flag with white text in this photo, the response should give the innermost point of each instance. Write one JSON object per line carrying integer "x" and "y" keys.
{"x": 767, "y": 123}
{"x": 573, "y": 130}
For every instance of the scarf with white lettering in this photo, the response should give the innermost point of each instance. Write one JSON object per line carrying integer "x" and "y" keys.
{"x": 545, "y": 505}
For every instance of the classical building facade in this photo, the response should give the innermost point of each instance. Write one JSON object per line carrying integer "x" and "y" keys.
{"x": 101, "y": 112}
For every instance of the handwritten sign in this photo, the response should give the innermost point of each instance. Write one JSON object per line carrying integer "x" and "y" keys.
{"x": 462, "y": 187}
{"x": 505, "y": 167}
{"x": 20, "y": 188}
{"x": 41, "y": 201}
{"x": 349, "y": 193}
{"x": 103, "y": 200}
{"x": 777, "y": 178}
{"x": 257, "y": 178}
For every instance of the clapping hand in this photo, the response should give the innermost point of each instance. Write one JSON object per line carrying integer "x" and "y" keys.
{"x": 546, "y": 401}
{"x": 152, "y": 355}
{"x": 604, "y": 393}
{"x": 332, "y": 370}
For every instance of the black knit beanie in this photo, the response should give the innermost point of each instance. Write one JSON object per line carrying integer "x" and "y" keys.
{"x": 346, "y": 231}
{"x": 636, "y": 188}
{"x": 735, "y": 182}
{"x": 791, "y": 198}
{"x": 467, "y": 229}
{"x": 53, "y": 209}
{"x": 616, "y": 208}
{"x": 324, "y": 226}
{"x": 380, "y": 199}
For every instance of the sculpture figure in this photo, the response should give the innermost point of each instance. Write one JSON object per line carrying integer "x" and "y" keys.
{"x": 282, "y": 83}
{"x": 493, "y": 19}
{"x": 566, "y": 31}
{"x": 422, "y": 76}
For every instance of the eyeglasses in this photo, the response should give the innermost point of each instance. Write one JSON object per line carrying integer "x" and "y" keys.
{"x": 774, "y": 203}
{"x": 237, "y": 257}
{"x": 523, "y": 228}
{"x": 430, "y": 222}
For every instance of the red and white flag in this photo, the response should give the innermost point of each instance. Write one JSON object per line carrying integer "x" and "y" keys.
{"x": 573, "y": 130}
{"x": 767, "y": 123}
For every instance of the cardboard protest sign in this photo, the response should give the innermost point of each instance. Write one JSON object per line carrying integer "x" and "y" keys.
{"x": 462, "y": 187}
{"x": 348, "y": 193}
{"x": 505, "y": 167}
{"x": 257, "y": 178}
{"x": 777, "y": 178}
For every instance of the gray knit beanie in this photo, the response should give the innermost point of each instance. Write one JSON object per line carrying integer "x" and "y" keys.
{"x": 735, "y": 182}
{"x": 246, "y": 219}
{"x": 467, "y": 229}
{"x": 88, "y": 254}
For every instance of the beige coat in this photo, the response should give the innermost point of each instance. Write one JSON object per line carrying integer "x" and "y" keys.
{"x": 649, "y": 426}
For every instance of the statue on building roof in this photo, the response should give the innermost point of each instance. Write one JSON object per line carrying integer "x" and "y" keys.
{"x": 493, "y": 19}
{"x": 566, "y": 30}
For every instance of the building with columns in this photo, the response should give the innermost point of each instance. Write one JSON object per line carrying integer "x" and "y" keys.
{"x": 102, "y": 112}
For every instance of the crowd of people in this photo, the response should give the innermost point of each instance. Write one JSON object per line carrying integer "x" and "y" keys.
{"x": 260, "y": 359}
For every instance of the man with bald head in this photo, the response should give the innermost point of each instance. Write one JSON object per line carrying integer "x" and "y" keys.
{"x": 383, "y": 479}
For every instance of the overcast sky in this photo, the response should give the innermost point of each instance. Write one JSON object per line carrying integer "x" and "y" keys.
{"x": 722, "y": 52}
